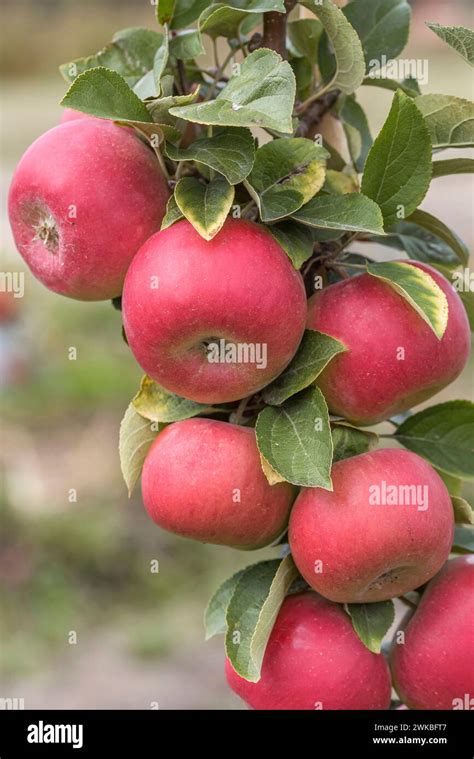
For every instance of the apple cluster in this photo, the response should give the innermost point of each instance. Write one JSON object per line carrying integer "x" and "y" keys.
{"x": 86, "y": 206}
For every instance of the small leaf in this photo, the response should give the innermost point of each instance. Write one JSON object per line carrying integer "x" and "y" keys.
{"x": 157, "y": 404}
{"x": 450, "y": 120}
{"x": 104, "y": 93}
{"x": 398, "y": 168}
{"x": 349, "y": 441}
{"x": 408, "y": 86}
{"x": 296, "y": 240}
{"x": 164, "y": 11}
{"x": 261, "y": 93}
{"x": 457, "y": 37}
{"x": 463, "y": 513}
{"x": 338, "y": 183}
{"x": 444, "y": 435}
{"x": 285, "y": 175}
{"x": 303, "y": 36}
{"x": 463, "y": 540}
{"x": 418, "y": 288}
{"x": 172, "y": 214}
{"x": 353, "y": 212}
{"x": 439, "y": 229}
{"x": 130, "y": 54}
{"x": 230, "y": 151}
{"x": 227, "y": 19}
{"x": 186, "y": 45}
{"x": 205, "y": 206}
{"x": 350, "y": 63}
{"x": 185, "y": 12}
{"x": 453, "y": 166}
{"x": 215, "y": 615}
{"x": 160, "y": 62}
{"x": 372, "y": 622}
{"x": 313, "y": 355}
{"x": 252, "y": 612}
{"x": 382, "y": 25}
{"x": 356, "y": 127}
{"x": 136, "y": 437}
{"x": 295, "y": 439}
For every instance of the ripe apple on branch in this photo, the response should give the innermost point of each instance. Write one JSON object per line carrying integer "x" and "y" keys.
{"x": 231, "y": 211}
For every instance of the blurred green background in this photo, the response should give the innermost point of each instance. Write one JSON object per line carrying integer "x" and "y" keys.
{"x": 84, "y": 566}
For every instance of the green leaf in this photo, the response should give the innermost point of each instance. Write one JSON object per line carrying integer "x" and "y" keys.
{"x": 160, "y": 62}
{"x": 418, "y": 288}
{"x": 353, "y": 212}
{"x": 303, "y": 36}
{"x": 372, "y": 622}
{"x": 252, "y": 612}
{"x": 425, "y": 238}
{"x": 339, "y": 183}
{"x": 164, "y": 11}
{"x": 444, "y": 435}
{"x": 382, "y": 25}
{"x": 463, "y": 513}
{"x": 303, "y": 71}
{"x": 130, "y": 54}
{"x": 463, "y": 540}
{"x": 186, "y": 11}
{"x": 173, "y": 213}
{"x": 296, "y": 240}
{"x": 205, "y": 205}
{"x": 285, "y": 175}
{"x": 146, "y": 87}
{"x": 136, "y": 437}
{"x": 356, "y": 128}
{"x": 186, "y": 45}
{"x": 157, "y": 404}
{"x": 398, "y": 168}
{"x": 261, "y": 93}
{"x": 104, "y": 93}
{"x": 230, "y": 151}
{"x": 453, "y": 166}
{"x": 457, "y": 37}
{"x": 449, "y": 119}
{"x": 226, "y": 19}
{"x": 313, "y": 355}
{"x": 349, "y": 441}
{"x": 439, "y": 229}
{"x": 350, "y": 63}
{"x": 409, "y": 86}
{"x": 160, "y": 112}
{"x": 295, "y": 439}
{"x": 215, "y": 615}
{"x": 467, "y": 297}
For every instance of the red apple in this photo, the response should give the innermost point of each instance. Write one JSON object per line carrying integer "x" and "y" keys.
{"x": 373, "y": 380}
{"x": 185, "y": 296}
{"x": 203, "y": 479}
{"x": 314, "y": 660}
{"x": 385, "y": 529}
{"x": 84, "y": 197}
{"x": 434, "y": 668}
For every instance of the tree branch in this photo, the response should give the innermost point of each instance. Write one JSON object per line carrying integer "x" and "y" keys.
{"x": 274, "y": 29}
{"x": 309, "y": 123}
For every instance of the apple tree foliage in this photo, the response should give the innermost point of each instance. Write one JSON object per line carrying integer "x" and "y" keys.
{"x": 241, "y": 137}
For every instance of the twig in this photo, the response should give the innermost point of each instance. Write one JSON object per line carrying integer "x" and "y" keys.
{"x": 274, "y": 29}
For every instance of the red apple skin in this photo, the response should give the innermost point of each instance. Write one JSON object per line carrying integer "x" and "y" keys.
{"x": 371, "y": 552}
{"x": 315, "y": 660}
{"x": 112, "y": 183}
{"x": 69, "y": 114}
{"x": 368, "y": 383}
{"x": 190, "y": 481}
{"x": 434, "y": 667}
{"x": 240, "y": 286}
